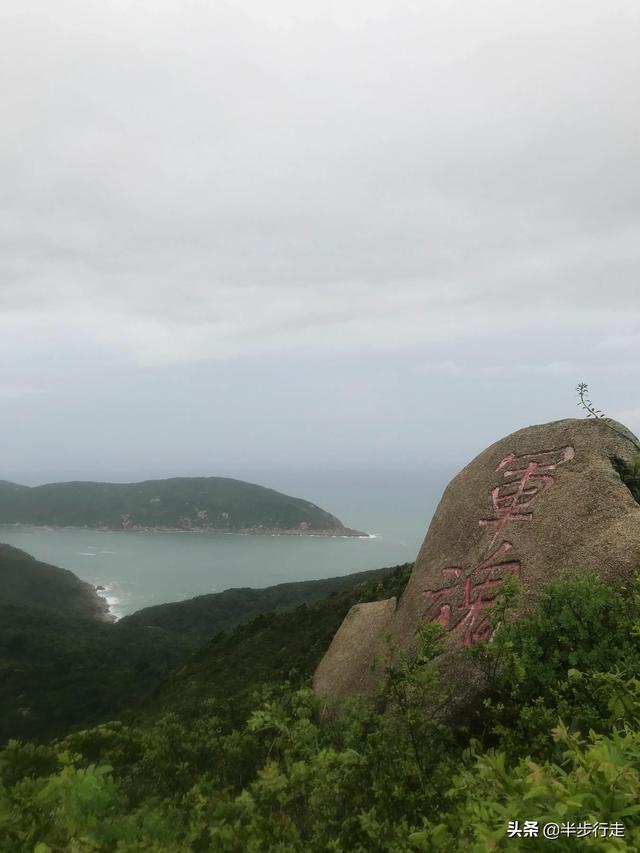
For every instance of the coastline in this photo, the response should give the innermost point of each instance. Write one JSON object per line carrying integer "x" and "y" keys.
{"x": 101, "y": 593}
{"x": 341, "y": 533}
{"x": 104, "y": 613}
{"x": 104, "y": 608}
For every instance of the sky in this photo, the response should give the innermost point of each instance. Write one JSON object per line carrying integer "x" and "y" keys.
{"x": 252, "y": 236}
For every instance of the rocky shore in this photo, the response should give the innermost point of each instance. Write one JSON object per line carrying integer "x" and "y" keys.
{"x": 27, "y": 582}
{"x": 100, "y": 604}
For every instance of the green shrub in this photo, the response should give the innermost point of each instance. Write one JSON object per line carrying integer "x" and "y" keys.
{"x": 555, "y": 739}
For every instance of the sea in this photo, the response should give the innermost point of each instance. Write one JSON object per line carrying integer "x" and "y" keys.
{"x": 137, "y": 570}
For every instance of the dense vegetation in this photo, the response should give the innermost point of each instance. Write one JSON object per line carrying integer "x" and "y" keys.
{"x": 273, "y": 648}
{"x": 26, "y": 582}
{"x": 188, "y": 503}
{"x": 207, "y": 615}
{"x": 233, "y": 754}
{"x": 58, "y": 671}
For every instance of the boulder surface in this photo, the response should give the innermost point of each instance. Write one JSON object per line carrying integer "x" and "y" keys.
{"x": 541, "y": 501}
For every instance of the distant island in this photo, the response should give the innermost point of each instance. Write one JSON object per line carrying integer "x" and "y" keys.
{"x": 196, "y": 504}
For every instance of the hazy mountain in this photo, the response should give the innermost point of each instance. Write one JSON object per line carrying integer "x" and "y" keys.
{"x": 184, "y": 503}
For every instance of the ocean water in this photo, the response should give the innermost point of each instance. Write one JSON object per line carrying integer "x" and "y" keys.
{"x": 141, "y": 569}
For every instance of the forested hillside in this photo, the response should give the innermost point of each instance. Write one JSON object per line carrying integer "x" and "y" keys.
{"x": 232, "y": 752}
{"x": 61, "y": 667}
{"x": 184, "y": 503}
{"x": 207, "y": 615}
{"x": 27, "y": 582}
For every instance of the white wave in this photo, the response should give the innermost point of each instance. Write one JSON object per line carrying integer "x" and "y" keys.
{"x": 112, "y": 600}
{"x": 86, "y": 554}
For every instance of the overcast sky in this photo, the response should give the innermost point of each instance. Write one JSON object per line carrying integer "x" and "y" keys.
{"x": 246, "y": 236}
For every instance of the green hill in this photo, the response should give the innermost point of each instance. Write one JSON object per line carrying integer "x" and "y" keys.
{"x": 60, "y": 672}
{"x": 223, "y": 747}
{"x": 26, "y": 582}
{"x": 62, "y": 666}
{"x": 230, "y": 751}
{"x": 206, "y": 615}
{"x": 183, "y": 503}
{"x": 274, "y": 647}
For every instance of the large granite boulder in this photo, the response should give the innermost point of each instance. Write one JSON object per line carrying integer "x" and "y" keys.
{"x": 543, "y": 500}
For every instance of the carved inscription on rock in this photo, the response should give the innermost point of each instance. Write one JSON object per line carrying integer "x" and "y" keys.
{"x": 463, "y": 600}
{"x": 526, "y": 477}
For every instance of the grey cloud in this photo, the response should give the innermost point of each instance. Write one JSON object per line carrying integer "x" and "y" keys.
{"x": 13, "y": 391}
{"x": 620, "y": 342}
{"x": 499, "y": 371}
{"x": 443, "y": 184}
{"x": 630, "y": 417}
{"x": 396, "y": 146}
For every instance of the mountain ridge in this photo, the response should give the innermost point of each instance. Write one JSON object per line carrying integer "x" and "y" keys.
{"x": 197, "y": 504}
{"x": 203, "y": 616}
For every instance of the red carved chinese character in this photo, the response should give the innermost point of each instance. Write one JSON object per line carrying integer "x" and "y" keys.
{"x": 527, "y": 476}
{"x": 465, "y": 600}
